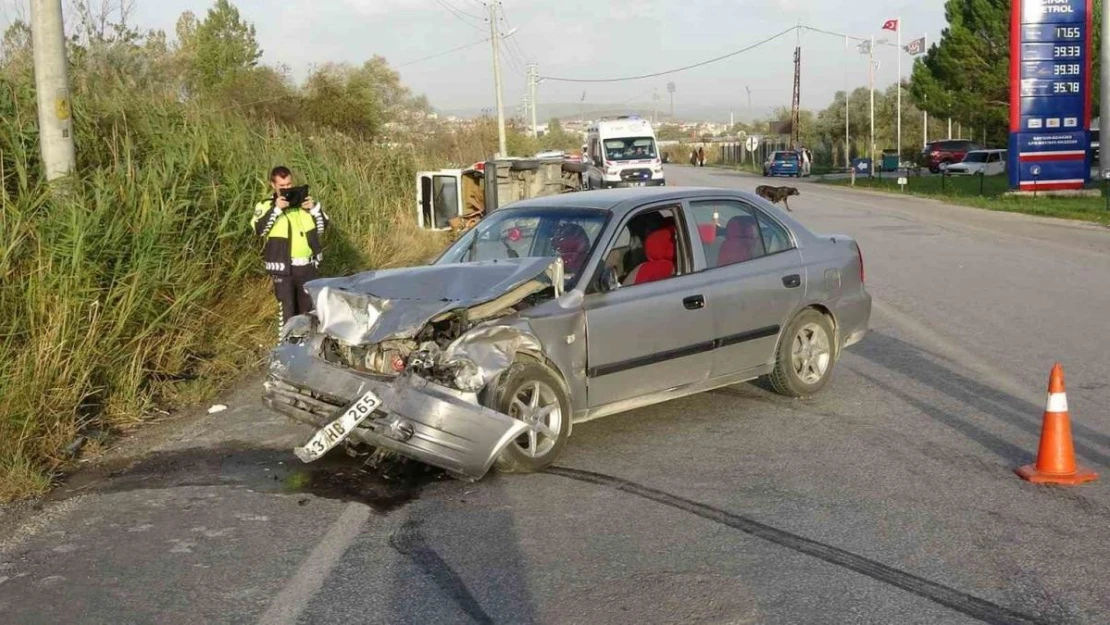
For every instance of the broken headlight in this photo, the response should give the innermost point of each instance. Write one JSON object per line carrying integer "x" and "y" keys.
{"x": 297, "y": 328}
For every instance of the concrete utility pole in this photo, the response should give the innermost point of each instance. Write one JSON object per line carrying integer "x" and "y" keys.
{"x": 533, "y": 80}
{"x": 1104, "y": 104}
{"x": 495, "y": 39}
{"x": 52, "y": 88}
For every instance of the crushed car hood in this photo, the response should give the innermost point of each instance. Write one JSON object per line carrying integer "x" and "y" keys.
{"x": 391, "y": 304}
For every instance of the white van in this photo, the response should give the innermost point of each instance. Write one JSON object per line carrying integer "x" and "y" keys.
{"x": 623, "y": 153}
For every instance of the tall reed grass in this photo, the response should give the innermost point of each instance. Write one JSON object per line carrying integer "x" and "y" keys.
{"x": 139, "y": 286}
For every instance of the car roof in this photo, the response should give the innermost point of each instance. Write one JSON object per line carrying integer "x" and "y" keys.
{"x": 623, "y": 201}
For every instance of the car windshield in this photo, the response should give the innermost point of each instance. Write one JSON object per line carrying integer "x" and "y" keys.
{"x": 629, "y": 149}
{"x": 569, "y": 233}
{"x": 976, "y": 157}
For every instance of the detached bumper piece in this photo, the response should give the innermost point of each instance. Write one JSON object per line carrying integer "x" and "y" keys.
{"x": 416, "y": 418}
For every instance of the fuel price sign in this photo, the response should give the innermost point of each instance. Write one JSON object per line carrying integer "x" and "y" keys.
{"x": 1050, "y": 93}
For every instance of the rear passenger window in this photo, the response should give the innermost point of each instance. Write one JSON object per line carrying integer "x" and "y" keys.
{"x": 775, "y": 238}
{"x": 729, "y": 232}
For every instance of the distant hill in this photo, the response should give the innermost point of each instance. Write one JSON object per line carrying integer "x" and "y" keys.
{"x": 570, "y": 111}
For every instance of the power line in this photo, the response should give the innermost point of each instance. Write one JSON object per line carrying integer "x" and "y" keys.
{"x": 846, "y": 36}
{"x": 444, "y": 53}
{"x": 678, "y": 69}
{"x": 513, "y": 45}
{"x": 462, "y": 16}
{"x": 471, "y": 15}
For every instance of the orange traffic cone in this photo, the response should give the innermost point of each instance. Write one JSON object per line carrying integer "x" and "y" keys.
{"x": 1056, "y": 456}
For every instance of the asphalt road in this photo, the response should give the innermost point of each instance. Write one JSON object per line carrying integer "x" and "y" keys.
{"x": 890, "y": 498}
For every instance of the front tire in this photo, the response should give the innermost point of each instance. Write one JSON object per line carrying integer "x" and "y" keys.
{"x": 531, "y": 392}
{"x": 806, "y": 355}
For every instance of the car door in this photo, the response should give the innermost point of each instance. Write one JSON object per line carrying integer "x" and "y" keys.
{"x": 994, "y": 164}
{"x": 650, "y": 337}
{"x": 438, "y": 198}
{"x": 756, "y": 280}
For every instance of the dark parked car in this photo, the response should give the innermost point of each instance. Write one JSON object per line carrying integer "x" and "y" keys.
{"x": 938, "y": 154}
{"x": 783, "y": 163}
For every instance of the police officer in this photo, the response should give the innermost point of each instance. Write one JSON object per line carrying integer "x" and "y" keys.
{"x": 292, "y": 252}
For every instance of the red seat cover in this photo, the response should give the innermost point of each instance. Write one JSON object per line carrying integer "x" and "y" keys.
{"x": 741, "y": 240}
{"x": 659, "y": 248}
{"x": 707, "y": 232}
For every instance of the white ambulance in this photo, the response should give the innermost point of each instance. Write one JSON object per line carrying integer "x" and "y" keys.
{"x": 623, "y": 153}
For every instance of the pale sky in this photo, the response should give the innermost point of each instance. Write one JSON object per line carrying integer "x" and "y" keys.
{"x": 581, "y": 39}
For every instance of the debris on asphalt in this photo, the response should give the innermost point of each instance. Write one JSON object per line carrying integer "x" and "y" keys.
{"x": 217, "y": 408}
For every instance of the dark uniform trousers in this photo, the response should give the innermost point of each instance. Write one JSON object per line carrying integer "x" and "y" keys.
{"x": 290, "y": 292}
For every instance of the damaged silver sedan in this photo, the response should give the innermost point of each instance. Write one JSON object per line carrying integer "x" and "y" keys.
{"x": 561, "y": 309}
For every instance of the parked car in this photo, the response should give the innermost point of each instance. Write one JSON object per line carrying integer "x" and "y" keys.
{"x": 938, "y": 155}
{"x": 986, "y": 162}
{"x": 560, "y": 309}
{"x": 783, "y": 163}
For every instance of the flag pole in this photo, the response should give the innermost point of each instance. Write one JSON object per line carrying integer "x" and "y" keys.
{"x": 871, "y": 86}
{"x": 925, "y": 125}
{"x": 898, "y": 26}
{"x": 847, "y": 100}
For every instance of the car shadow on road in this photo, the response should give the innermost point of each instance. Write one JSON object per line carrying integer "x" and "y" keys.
{"x": 907, "y": 359}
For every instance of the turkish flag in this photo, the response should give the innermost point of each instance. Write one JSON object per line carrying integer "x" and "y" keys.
{"x": 890, "y": 25}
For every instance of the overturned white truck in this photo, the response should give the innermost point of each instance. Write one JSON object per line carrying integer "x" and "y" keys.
{"x": 456, "y": 199}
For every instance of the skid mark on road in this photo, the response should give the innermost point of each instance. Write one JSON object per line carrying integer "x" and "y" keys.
{"x": 949, "y": 597}
{"x": 409, "y": 541}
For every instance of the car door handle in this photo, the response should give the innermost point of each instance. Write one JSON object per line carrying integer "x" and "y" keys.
{"x": 694, "y": 302}
{"x": 792, "y": 281}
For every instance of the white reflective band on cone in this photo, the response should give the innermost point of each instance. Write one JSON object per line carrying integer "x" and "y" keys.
{"x": 1057, "y": 402}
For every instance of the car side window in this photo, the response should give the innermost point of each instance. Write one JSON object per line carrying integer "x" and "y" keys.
{"x": 775, "y": 237}
{"x": 648, "y": 248}
{"x": 729, "y": 232}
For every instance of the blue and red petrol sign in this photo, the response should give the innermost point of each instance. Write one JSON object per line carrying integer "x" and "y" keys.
{"x": 1050, "y": 94}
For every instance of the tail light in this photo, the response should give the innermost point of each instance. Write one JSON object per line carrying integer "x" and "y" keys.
{"x": 859, "y": 251}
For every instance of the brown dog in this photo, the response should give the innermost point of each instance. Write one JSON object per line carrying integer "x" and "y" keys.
{"x": 775, "y": 195}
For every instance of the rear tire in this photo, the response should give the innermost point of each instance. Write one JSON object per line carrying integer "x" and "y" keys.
{"x": 526, "y": 165}
{"x": 532, "y": 392}
{"x": 806, "y": 355}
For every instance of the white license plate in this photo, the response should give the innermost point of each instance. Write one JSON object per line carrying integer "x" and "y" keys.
{"x": 335, "y": 432}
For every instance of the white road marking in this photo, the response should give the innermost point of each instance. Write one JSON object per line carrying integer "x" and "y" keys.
{"x": 288, "y": 605}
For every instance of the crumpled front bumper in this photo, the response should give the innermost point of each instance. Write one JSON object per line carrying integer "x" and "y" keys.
{"x": 418, "y": 419}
